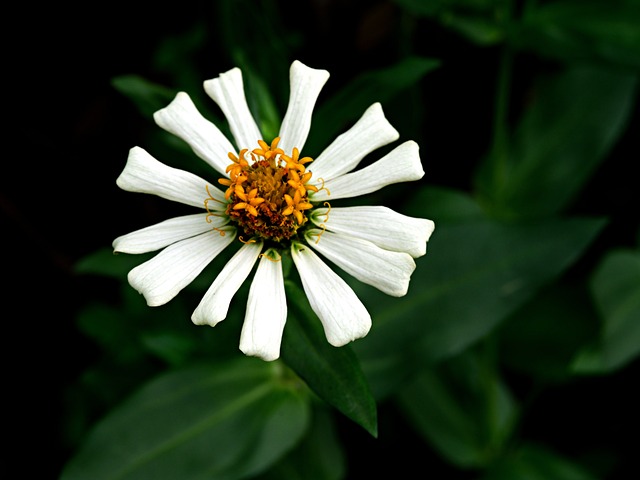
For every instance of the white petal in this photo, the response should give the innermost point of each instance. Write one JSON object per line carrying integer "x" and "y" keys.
{"x": 161, "y": 278}
{"x": 306, "y": 84}
{"x": 145, "y": 174}
{"x": 341, "y": 312}
{"x": 380, "y": 225}
{"x": 215, "y": 304}
{"x": 182, "y": 118}
{"x": 400, "y": 165}
{"x": 227, "y": 91}
{"x": 165, "y": 233}
{"x": 388, "y": 271}
{"x": 372, "y": 131}
{"x": 266, "y": 314}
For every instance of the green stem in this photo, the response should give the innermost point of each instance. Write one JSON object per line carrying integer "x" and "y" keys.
{"x": 499, "y": 151}
{"x": 490, "y": 386}
{"x": 500, "y": 141}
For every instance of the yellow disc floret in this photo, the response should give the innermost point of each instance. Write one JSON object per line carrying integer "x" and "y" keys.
{"x": 267, "y": 191}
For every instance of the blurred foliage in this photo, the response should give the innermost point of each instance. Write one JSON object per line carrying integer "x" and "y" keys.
{"x": 522, "y": 289}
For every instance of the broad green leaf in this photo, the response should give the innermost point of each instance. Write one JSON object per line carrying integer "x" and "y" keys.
{"x": 433, "y": 7}
{"x": 532, "y": 462}
{"x": 349, "y": 103}
{"x": 126, "y": 360}
{"x": 482, "y": 30}
{"x": 433, "y": 410}
{"x": 147, "y": 96}
{"x": 478, "y": 20}
{"x": 473, "y": 276}
{"x": 131, "y": 331}
{"x": 174, "y": 349}
{"x": 106, "y": 263}
{"x": 573, "y": 121}
{"x": 112, "y": 330}
{"x": 462, "y": 408}
{"x": 542, "y": 337}
{"x": 616, "y": 290}
{"x": 224, "y": 421}
{"x": 333, "y": 373}
{"x": 442, "y": 204}
{"x": 318, "y": 456}
{"x": 604, "y": 31}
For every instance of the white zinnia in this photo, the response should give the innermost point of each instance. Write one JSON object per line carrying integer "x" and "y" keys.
{"x": 278, "y": 200}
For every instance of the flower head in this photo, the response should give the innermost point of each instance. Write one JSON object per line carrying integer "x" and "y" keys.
{"x": 275, "y": 202}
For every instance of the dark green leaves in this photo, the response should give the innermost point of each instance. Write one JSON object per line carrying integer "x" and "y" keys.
{"x": 332, "y": 373}
{"x": 574, "y": 119}
{"x": 474, "y": 275}
{"x": 605, "y": 31}
{"x": 542, "y": 338}
{"x": 351, "y": 101}
{"x": 226, "y": 421}
{"x": 462, "y": 408}
{"x": 148, "y": 97}
{"x": 319, "y": 456}
{"x": 481, "y": 21}
{"x": 533, "y": 462}
{"x": 616, "y": 289}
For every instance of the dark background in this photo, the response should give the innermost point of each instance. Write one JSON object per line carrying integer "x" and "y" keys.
{"x": 67, "y": 140}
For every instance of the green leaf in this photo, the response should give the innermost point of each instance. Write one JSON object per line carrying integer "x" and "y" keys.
{"x": 474, "y": 275}
{"x": 616, "y": 290}
{"x": 349, "y": 103}
{"x": 147, "y": 96}
{"x": 318, "y": 456}
{"x": 433, "y": 410}
{"x": 224, "y": 421}
{"x": 543, "y": 336}
{"x": 433, "y": 7}
{"x": 106, "y": 263}
{"x": 265, "y": 52}
{"x": 333, "y": 373}
{"x": 174, "y": 349}
{"x": 260, "y": 98}
{"x": 573, "y": 121}
{"x": 531, "y": 462}
{"x": 604, "y": 31}
{"x": 442, "y": 204}
{"x": 113, "y": 330}
{"x": 174, "y": 56}
{"x": 462, "y": 408}
{"x": 478, "y": 20}
{"x": 479, "y": 29}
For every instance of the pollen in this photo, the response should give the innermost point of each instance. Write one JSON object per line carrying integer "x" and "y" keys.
{"x": 267, "y": 191}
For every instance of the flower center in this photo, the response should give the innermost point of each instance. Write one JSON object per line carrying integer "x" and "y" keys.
{"x": 268, "y": 191}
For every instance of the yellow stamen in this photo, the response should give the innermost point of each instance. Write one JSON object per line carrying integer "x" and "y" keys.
{"x": 322, "y": 187}
{"x": 326, "y": 215}
{"x": 269, "y": 254}
{"x": 239, "y": 163}
{"x": 320, "y": 234}
{"x": 206, "y": 206}
{"x": 268, "y": 151}
{"x": 268, "y": 191}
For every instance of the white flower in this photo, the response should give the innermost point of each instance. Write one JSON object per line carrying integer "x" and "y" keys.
{"x": 275, "y": 202}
